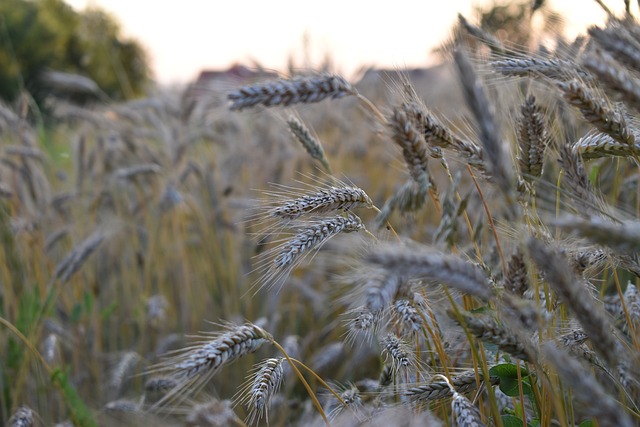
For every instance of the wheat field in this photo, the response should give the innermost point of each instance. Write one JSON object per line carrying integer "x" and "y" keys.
{"x": 309, "y": 251}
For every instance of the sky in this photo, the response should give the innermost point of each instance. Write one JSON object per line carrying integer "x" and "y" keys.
{"x": 184, "y": 37}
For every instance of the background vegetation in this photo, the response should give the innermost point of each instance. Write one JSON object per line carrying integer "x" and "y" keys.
{"x": 48, "y": 35}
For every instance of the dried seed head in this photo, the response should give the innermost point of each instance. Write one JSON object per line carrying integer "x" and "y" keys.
{"x": 573, "y": 338}
{"x": 516, "y": 280}
{"x": 465, "y": 412}
{"x": 74, "y": 260}
{"x": 351, "y": 398}
{"x": 160, "y": 384}
{"x": 623, "y": 237}
{"x": 412, "y": 143}
{"x": 197, "y": 364}
{"x": 598, "y": 111}
{"x": 310, "y": 143}
{"x": 487, "y": 329}
{"x": 283, "y": 92}
{"x": 379, "y": 291}
{"x": 614, "y": 77}
{"x": 326, "y": 200}
{"x": 314, "y": 236}
{"x": 264, "y": 385}
{"x": 533, "y": 139}
{"x": 436, "y": 390}
{"x": 430, "y": 264}
{"x": 122, "y": 405}
{"x": 596, "y": 144}
{"x": 485, "y": 37}
{"x": 235, "y": 343}
{"x": 617, "y": 41}
{"x": 309, "y": 236}
{"x": 121, "y": 371}
{"x": 396, "y": 352}
{"x": 585, "y": 197}
{"x": 409, "y": 317}
{"x": 213, "y": 413}
{"x": 553, "y": 68}
{"x": 23, "y": 417}
{"x": 632, "y": 302}
{"x": 490, "y": 136}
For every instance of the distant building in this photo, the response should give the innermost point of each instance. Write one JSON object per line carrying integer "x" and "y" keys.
{"x": 436, "y": 85}
{"x": 221, "y": 81}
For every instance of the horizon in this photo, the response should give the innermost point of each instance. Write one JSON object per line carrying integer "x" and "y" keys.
{"x": 204, "y": 36}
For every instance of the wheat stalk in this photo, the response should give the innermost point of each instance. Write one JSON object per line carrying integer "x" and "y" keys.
{"x": 307, "y": 89}
{"x": 490, "y": 135}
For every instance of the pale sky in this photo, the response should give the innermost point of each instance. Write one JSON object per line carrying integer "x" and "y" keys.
{"x": 186, "y": 36}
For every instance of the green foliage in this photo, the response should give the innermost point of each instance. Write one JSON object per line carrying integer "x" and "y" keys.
{"x": 78, "y": 411}
{"x": 508, "y": 374}
{"x": 43, "y": 35}
{"x": 509, "y": 420}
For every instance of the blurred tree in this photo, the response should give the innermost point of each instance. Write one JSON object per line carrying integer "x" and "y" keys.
{"x": 39, "y": 36}
{"x": 512, "y": 24}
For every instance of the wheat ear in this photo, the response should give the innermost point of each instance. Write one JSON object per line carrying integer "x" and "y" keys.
{"x": 430, "y": 264}
{"x": 306, "y": 89}
{"x": 323, "y": 201}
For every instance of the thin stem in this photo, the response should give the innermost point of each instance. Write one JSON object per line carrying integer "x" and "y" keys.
{"x": 372, "y": 108}
{"x": 491, "y": 223}
{"x": 321, "y": 381}
{"x": 389, "y": 226}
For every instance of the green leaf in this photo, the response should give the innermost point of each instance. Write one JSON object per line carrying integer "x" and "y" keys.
{"x": 511, "y": 421}
{"x": 108, "y": 310}
{"x": 586, "y": 423}
{"x": 76, "y": 312}
{"x": 88, "y": 302}
{"x": 483, "y": 309}
{"x": 78, "y": 411}
{"x": 508, "y": 374}
{"x": 593, "y": 174}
